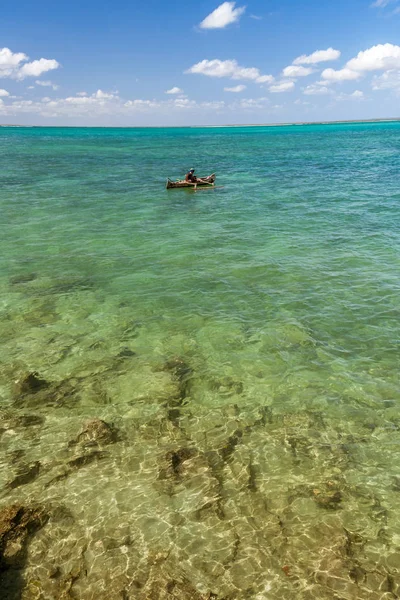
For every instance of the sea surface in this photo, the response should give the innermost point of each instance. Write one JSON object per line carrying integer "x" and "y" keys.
{"x": 199, "y": 391}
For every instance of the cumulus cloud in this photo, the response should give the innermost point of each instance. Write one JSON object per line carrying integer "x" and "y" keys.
{"x": 11, "y": 65}
{"x": 316, "y": 90}
{"x": 228, "y": 68}
{"x": 265, "y": 79}
{"x": 36, "y": 68}
{"x": 100, "y": 95}
{"x": 222, "y": 16}
{"x": 174, "y": 90}
{"x": 317, "y": 57}
{"x": 283, "y": 86}
{"x": 357, "y": 94}
{"x": 10, "y": 61}
{"x": 340, "y": 75}
{"x": 236, "y": 89}
{"x": 4, "y": 93}
{"x": 381, "y": 57}
{"x": 47, "y": 84}
{"x": 296, "y": 71}
{"x": 376, "y": 58}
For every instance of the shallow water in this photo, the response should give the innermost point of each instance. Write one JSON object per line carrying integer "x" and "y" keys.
{"x": 242, "y": 342}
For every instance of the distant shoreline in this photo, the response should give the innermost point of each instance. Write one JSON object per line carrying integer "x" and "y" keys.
{"x": 289, "y": 124}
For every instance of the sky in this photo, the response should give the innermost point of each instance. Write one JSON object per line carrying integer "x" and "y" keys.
{"x": 157, "y": 62}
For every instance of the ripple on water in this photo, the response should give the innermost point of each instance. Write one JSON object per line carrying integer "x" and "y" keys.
{"x": 199, "y": 393}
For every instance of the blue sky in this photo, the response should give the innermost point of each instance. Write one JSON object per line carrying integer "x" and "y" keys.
{"x": 204, "y": 63}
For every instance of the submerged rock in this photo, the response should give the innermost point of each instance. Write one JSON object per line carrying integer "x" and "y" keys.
{"x": 126, "y": 353}
{"x": 23, "y": 278}
{"x": 32, "y": 391}
{"x": 85, "y": 459}
{"x": 26, "y": 474}
{"x": 17, "y": 523}
{"x": 330, "y": 498}
{"x": 227, "y": 386}
{"x": 30, "y": 383}
{"x": 10, "y": 420}
{"x": 176, "y": 459}
{"x": 96, "y": 432}
{"x": 181, "y": 373}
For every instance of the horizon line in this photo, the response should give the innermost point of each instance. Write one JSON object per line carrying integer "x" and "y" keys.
{"x": 280, "y": 124}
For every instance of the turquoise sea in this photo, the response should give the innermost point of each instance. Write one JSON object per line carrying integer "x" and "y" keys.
{"x": 199, "y": 391}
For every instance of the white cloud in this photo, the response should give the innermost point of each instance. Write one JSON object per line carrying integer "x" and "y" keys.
{"x": 100, "y": 95}
{"x": 36, "y": 68}
{"x": 10, "y": 61}
{"x": 316, "y": 90}
{"x": 317, "y": 57}
{"x": 11, "y": 65}
{"x": 216, "y": 105}
{"x": 250, "y": 103}
{"x": 265, "y": 79}
{"x": 141, "y": 104}
{"x": 224, "y": 68}
{"x": 47, "y": 84}
{"x": 174, "y": 90}
{"x": 256, "y": 17}
{"x": 222, "y": 16}
{"x": 82, "y": 94}
{"x": 4, "y": 93}
{"x": 356, "y": 95}
{"x": 283, "y": 86}
{"x": 299, "y": 102}
{"x": 340, "y": 75}
{"x": 294, "y": 71}
{"x": 228, "y": 68}
{"x": 390, "y": 80}
{"x": 236, "y": 89}
{"x": 376, "y": 58}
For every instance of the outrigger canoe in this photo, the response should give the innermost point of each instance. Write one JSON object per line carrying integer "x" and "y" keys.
{"x": 185, "y": 184}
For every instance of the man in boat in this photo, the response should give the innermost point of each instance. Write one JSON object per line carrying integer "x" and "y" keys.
{"x": 191, "y": 178}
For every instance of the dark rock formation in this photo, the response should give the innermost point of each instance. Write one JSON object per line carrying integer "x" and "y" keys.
{"x": 29, "y": 383}
{"x": 17, "y": 524}
{"x": 31, "y": 391}
{"x": 181, "y": 372}
{"x": 96, "y": 432}
{"x": 126, "y": 353}
{"x": 86, "y": 459}
{"x": 26, "y": 474}
{"x": 12, "y": 420}
{"x": 178, "y": 457}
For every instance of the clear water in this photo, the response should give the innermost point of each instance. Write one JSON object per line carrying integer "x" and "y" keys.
{"x": 244, "y": 342}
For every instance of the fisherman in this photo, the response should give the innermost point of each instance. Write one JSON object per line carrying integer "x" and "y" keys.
{"x": 191, "y": 178}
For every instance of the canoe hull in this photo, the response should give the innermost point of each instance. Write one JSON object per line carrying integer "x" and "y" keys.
{"x": 184, "y": 184}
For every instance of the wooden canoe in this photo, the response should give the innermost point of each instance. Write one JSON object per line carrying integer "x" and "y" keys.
{"x": 184, "y": 184}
